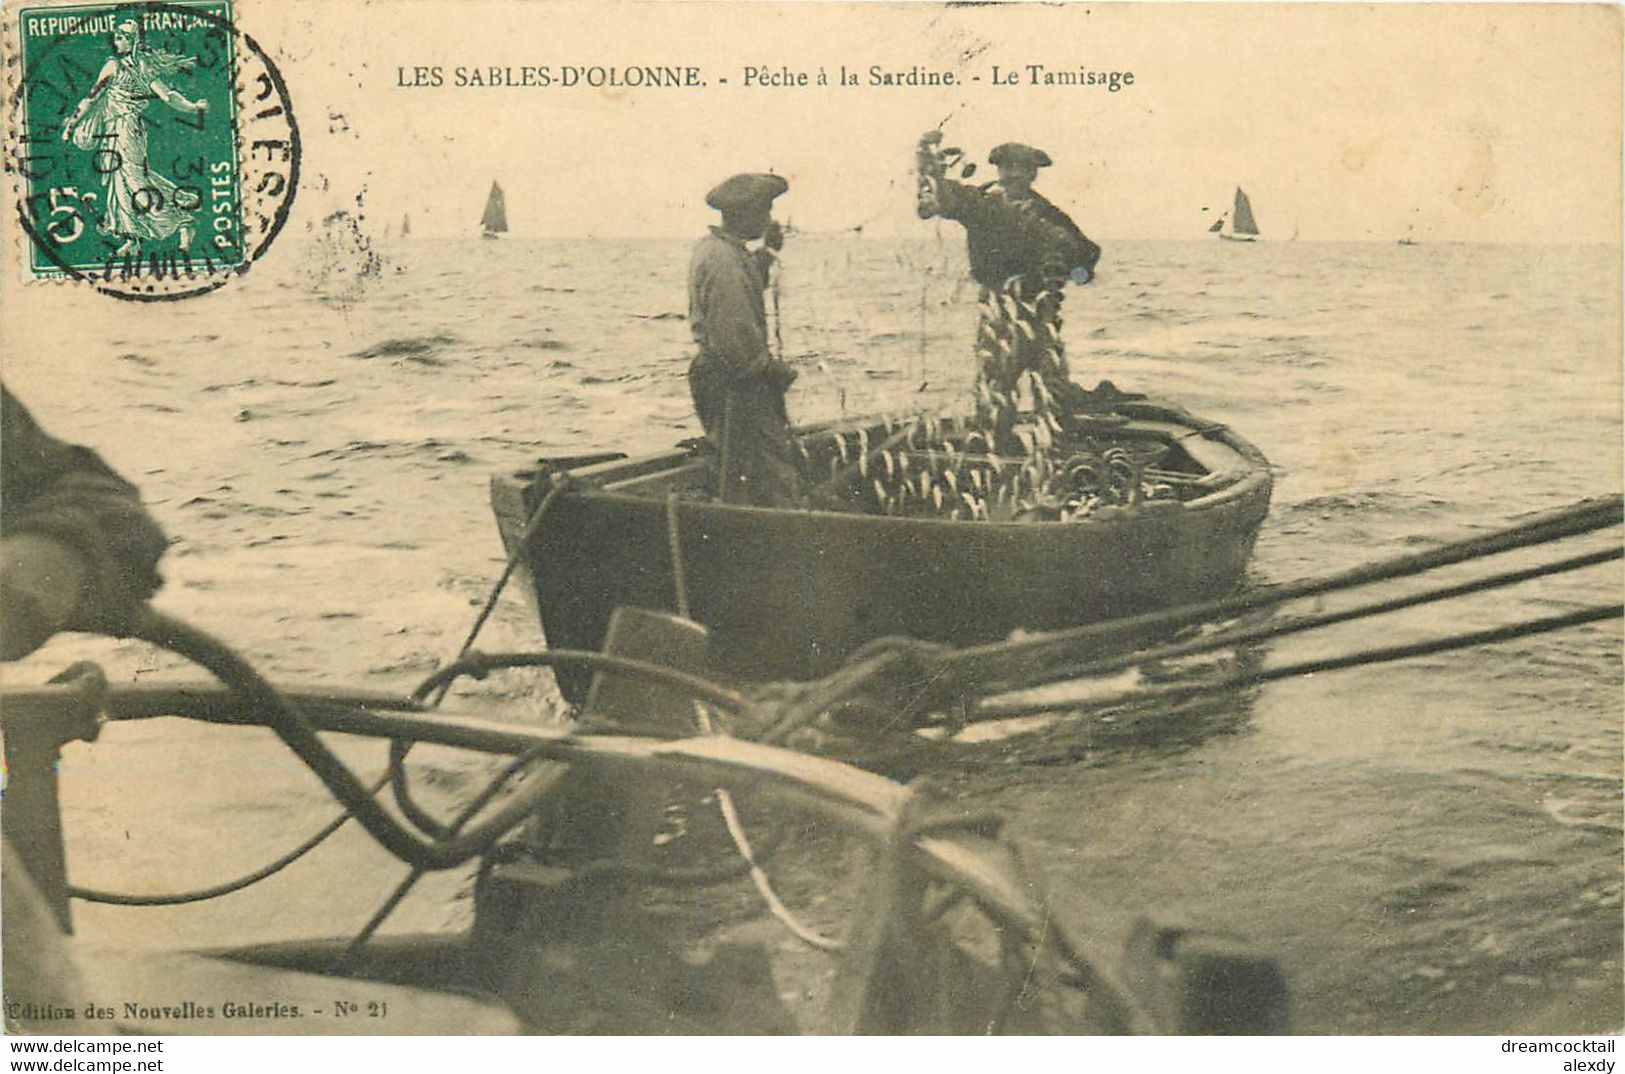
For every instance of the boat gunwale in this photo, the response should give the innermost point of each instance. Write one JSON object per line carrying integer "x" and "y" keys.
{"x": 1255, "y": 479}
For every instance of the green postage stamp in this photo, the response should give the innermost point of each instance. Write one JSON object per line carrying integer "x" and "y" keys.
{"x": 133, "y": 143}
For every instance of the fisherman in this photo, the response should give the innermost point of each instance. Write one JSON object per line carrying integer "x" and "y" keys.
{"x": 737, "y": 384}
{"x": 1023, "y": 251}
{"x": 77, "y": 552}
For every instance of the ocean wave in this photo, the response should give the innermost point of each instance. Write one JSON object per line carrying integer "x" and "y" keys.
{"x": 411, "y": 347}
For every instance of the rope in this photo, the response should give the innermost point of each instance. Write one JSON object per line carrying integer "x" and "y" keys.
{"x": 533, "y": 526}
{"x": 394, "y": 777}
{"x": 961, "y": 672}
{"x": 758, "y": 878}
{"x": 995, "y": 709}
{"x": 1233, "y": 638}
{"x": 263, "y": 699}
{"x": 395, "y": 898}
{"x": 679, "y": 578}
{"x": 399, "y": 784}
{"x": 182, "y": 898}
{"x": 778, "y": 321}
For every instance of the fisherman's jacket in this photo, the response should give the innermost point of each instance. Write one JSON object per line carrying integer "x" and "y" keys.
{"x": 725, "y": 309}
{"x": 67, "y": 493}
{"x": 1031, "y": 239}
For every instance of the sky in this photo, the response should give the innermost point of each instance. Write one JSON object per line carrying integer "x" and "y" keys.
{"x": 1476, "y": 122}
{"x": 1470, "y": 122}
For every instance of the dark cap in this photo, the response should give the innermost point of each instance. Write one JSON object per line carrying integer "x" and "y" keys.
{"x": 744, "y": 190}
{"x": 1017, "y": 155}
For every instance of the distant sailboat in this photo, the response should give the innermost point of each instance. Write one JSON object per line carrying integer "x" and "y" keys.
{"x": 1238, "y": 225}
{"x": 1410, "y": 236}
{"x": 495, "y": 220}
{"x": 406, "y": 226}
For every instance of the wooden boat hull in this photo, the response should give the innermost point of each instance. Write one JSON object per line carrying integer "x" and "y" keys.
{"x": 790, "y": 594}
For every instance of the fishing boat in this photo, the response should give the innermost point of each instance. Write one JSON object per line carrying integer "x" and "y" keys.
{"x": 1238, "y": 225}
{"x": 909, "y": 915}
{"x": 915, "y": 531}
{"x": 494, "y": 221}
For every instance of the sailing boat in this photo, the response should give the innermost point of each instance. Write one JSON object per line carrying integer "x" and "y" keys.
{"x": 495, "y": 220}
{"x": 406, "y": 225}
{"x": 1238, "y": 225}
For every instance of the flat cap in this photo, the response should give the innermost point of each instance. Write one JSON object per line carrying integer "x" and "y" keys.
{"x": 1017, "y": 155}
{"x": 748, "y": 188}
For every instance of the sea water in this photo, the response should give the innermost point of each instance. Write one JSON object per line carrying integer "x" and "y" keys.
{"x": 1427, "y": 846}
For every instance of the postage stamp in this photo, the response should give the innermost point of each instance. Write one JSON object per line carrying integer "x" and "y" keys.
{"x": 156, "y": 150}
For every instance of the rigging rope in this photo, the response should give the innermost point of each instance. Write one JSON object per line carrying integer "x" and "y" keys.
{"x": 993, "y": 709}
{"x": 964, "y": 670}
{"x": 1229, "y": 639}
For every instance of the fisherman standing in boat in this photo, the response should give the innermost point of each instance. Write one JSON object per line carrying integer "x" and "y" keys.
{"x": 77, "y": 552}
{"x": 737, "y": 384}
{"x": 1023, "y": 251}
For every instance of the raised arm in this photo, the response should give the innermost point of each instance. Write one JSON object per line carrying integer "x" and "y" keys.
{"x": 176, "y": 100}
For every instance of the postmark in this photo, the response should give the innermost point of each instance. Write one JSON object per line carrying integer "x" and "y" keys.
{"x": 156, "y": 150}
